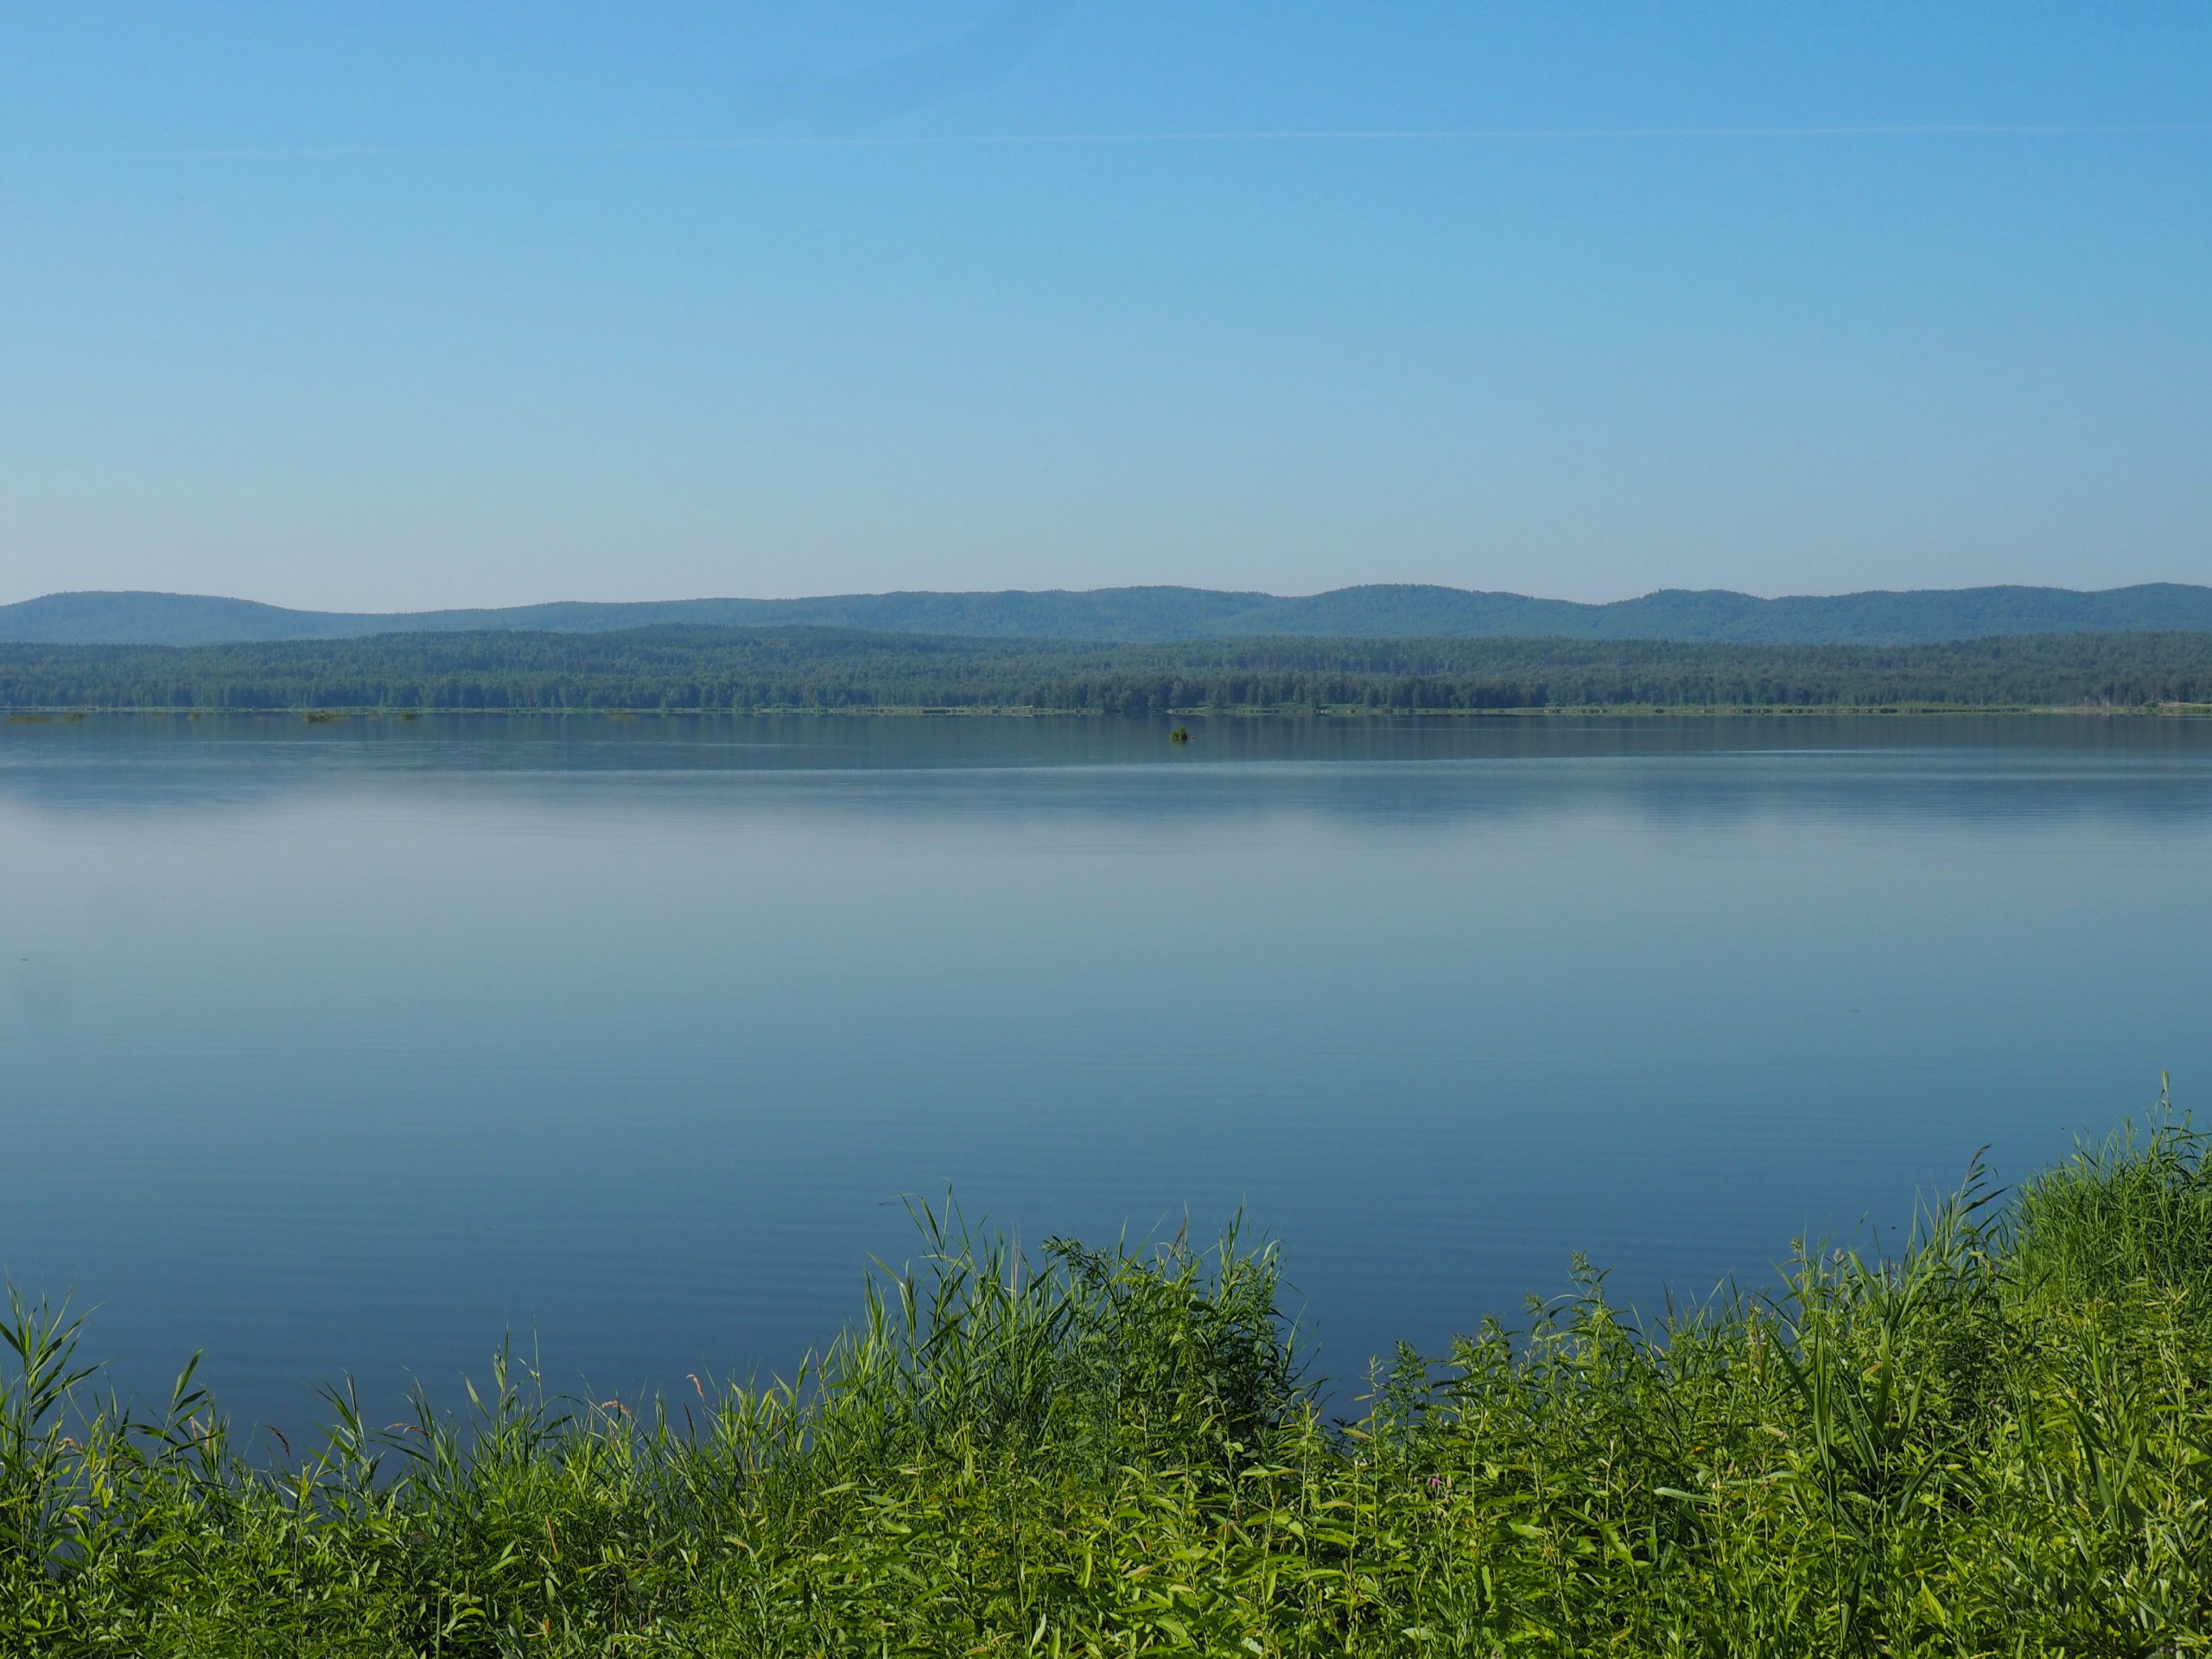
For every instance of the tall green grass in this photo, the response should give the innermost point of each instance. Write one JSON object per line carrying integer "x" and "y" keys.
{"x": 1998, "y": 1442}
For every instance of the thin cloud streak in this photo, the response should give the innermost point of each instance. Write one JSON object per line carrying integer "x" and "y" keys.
{"x": 1051, "y": 140}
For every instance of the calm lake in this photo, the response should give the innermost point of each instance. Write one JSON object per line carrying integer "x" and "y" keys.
{"x": 348, "y": 1047}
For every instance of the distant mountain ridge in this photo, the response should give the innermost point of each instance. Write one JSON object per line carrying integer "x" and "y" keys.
{"x": 1160, "y": 616}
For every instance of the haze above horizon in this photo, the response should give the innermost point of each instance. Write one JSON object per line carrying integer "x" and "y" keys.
{"x": 422, "y": 308}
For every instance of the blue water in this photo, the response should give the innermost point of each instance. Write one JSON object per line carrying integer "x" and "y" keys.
{"x": 349, "y": 1048}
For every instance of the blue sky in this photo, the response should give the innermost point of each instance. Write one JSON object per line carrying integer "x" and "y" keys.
{"x": 397, "y": 305}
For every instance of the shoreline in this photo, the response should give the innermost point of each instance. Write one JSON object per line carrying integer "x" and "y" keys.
{"x": 1987, "y": 1438}
{"x": 42, "y": 714}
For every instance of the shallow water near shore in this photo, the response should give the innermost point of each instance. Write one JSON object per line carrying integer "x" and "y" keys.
{"x": 346, "y": 1047}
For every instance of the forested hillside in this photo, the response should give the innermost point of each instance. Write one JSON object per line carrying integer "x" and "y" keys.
{"x": 809, "y": 668}
{"x": 1134, "y": 615}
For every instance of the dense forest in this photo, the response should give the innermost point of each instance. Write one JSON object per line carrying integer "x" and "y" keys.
{"x": 696, "y": 668}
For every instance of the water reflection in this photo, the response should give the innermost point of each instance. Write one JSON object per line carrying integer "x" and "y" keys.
{"x": 350, "y": 1046}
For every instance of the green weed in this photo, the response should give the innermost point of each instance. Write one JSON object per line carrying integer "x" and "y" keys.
{"x": 1998, "y": 1442}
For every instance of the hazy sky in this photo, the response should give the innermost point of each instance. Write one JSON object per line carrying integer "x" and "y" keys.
{"x": 393, "y": 304}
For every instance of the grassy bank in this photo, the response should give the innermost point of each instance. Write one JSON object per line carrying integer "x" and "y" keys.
{"x": 1999, "y": 1443}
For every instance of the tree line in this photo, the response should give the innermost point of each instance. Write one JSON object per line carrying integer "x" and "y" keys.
{"x": 683, "y": 667}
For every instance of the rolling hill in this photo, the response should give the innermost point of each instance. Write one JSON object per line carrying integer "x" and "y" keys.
{"x": 1160, "y": 616}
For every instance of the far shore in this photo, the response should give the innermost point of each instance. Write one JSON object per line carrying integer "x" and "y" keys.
{"x": 36, "y": 715}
